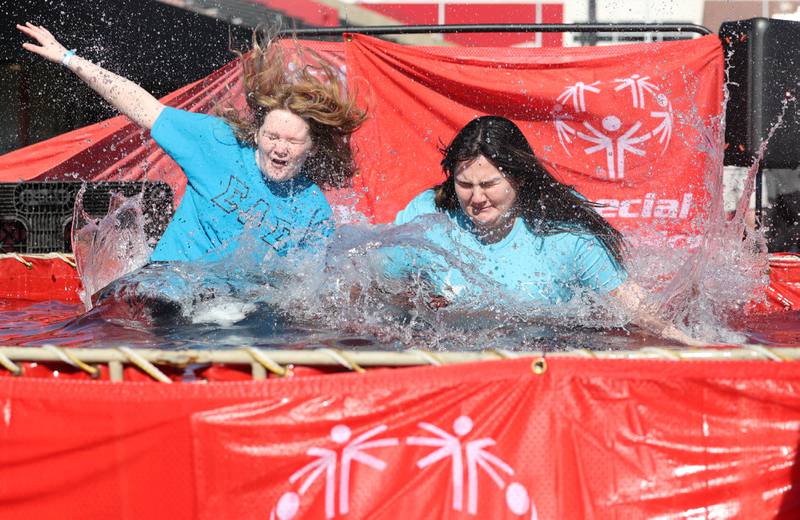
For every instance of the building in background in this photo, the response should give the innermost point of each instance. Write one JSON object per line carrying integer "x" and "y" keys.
{"x": 717, "y": 11}
{"x": 439, "y": 12}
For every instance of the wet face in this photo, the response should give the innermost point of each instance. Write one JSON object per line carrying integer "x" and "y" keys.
{"x": 283, "y": 144}
{"x": 485, "y": 195}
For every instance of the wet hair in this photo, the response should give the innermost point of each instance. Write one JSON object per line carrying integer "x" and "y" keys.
{"x": 546, "y": 205}
{"x": 309, "y": 87}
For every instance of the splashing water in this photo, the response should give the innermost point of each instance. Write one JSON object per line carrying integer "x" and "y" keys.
{"x": 108, "y": 248}
{"x": 344, "y": 293}
{"x": 403, "y": 310}
{"x": 729, "y": 267}
{"x": 347, "y": 292}
{"x": 304, "y": 297}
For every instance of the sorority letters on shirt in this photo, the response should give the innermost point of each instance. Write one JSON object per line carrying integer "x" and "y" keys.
{"x": 273, "y": 229}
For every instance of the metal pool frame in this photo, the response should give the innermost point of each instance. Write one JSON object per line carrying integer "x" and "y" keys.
{"x": 389, "y": 30}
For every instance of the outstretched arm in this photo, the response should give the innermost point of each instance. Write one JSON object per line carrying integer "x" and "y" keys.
{"x": 125, "y": 95}
{"x": 631, "y": 296}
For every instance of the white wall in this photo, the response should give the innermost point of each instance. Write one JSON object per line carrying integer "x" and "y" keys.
{"x": 636, "y": 11}
{"x": 651, "y": 11}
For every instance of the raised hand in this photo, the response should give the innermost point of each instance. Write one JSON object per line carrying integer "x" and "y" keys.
{"x": 125, "y": 95}
{"x": 48, "y": 47}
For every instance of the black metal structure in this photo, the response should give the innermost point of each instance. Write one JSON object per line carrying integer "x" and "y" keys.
{"x": 389, "y": 30}
{"x": 762, "y": 77}
{"x": 36, "y": 217}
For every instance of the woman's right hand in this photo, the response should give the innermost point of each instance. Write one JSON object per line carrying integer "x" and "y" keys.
{"x": 48, "y": 47}
{"x": 125, "y": 95}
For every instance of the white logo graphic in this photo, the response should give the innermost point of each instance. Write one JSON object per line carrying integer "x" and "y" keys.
{"x": 638, "y": 85}
{"x": 474, "y": 453}
{"x": 452, "y": 447}
{"x": 289, "y": 503}
{"x": 577, "y": 94}
{"x": 616, "y": 139}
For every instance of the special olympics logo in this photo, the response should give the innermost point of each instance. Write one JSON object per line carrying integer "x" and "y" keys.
{"x": 466, "y": 456}
{"x": 648, "y": 116}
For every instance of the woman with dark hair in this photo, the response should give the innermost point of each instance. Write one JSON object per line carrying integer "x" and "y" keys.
{"x": 261, "y": 167}
{"x": 517, "y": 226}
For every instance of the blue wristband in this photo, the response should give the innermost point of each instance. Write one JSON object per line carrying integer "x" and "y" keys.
{"x": 69, "y": 54}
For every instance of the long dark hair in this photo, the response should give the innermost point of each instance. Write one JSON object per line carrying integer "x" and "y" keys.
{"x": 546, "y": 205}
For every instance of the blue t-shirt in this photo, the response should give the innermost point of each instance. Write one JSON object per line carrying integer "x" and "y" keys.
{"x": 533, "y": 267}
{"x": 227, "y": 193}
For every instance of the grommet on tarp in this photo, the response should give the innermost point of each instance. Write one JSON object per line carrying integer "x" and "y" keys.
{"x": 144, "y": 365}
{"x": 265, "y": 361}
{"x": 343, "y": 359}
{"x": 539, "y": 366}
{"x": 10, "y": 365}
{"x": 71, "y": 360}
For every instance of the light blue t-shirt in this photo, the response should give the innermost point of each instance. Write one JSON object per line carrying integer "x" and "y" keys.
{"x": 533, "y": 267}
{"x": 226, "y": 193}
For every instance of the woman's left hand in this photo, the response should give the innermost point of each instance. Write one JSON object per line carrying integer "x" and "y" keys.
{"x": 674, "y": 333}
{"x": 631, "y": 297}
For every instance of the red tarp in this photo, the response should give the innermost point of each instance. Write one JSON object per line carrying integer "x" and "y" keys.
{"x": 783, "y": 292}
{"x": 587, "y": 439}
{"x": 38, "y": 279}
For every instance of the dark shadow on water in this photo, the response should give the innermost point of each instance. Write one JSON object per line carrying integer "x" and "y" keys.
{"x": 161, "y": 324}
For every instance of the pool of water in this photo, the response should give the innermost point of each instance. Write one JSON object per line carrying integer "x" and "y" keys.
{"x": 343, "y": 298}
{"x": 38, "y": 323}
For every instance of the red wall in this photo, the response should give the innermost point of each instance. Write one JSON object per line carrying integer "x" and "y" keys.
{"x": 309, "y": 11}
{"x": 423, "y": 14}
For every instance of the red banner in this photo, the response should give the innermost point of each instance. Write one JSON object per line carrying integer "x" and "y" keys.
{"x": 622, "y": 124}
{"x": 587, "y": 439}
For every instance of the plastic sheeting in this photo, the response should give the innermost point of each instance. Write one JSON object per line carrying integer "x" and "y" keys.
{"x": 38, "y": 279}
{"x": 587, "y": 439}
{"x": 783, "y": 292}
